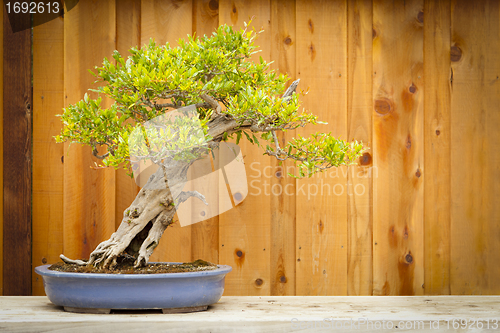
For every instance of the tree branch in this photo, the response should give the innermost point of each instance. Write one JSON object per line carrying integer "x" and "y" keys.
{"x": 291, "y": 89}
{"x": 276, "y": 142}
{"x": 225, "y": 123}
{"x": 147, "y": 102}
{"x": 188, "y": 194}
{"x": 165, "y": 105}
{"x": 212, "y": 102}
{"x": 96, "y": 154}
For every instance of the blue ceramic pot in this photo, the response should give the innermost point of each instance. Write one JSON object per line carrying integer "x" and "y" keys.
{"x": 134, "y": 291}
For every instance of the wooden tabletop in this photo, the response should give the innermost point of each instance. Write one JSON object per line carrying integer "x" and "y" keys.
{"x": 269, "y": 314}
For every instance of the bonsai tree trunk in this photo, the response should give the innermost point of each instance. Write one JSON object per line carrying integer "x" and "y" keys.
{"x": 153, "y": 209}
{"x": 145, "y": 220}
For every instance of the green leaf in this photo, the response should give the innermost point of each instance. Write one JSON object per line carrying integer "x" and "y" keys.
{"x": 255, "y": 140}
{"x": 248, "y": 137}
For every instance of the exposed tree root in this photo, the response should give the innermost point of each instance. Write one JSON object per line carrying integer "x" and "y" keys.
{"x": 73, "y": 261}
{"x": 151, "y": 242}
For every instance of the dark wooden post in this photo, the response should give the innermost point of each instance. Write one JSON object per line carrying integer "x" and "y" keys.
{"x": 17, "y": 107}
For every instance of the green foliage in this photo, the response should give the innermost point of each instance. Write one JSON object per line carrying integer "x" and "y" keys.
{"x": 87, "y": 123}
{"x": 322, "y": 151}
{"x": 156, "y": 79}
{"x": 178, "y": 136}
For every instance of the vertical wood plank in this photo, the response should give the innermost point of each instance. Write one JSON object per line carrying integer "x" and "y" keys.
{"x": 398, "y": 255}
{"x": 475, "y": 151}
{"x": 167, "y": 21}
{"x": 17, "y": 106}
{"x": 359, "y": 127}
{"x": 205, "y": 234}
{"x": 322, "y": 200}
{"x": 89, "y": 195}
{"x": 128, "y": 34}
{"x": 437, "y": 146}
{"x": 244, "y": 231}
{"x": 205, "y": 17}
{"x": 48, "y": 167}
{"x": 1, "y": 154}
{"x": 283, "y": 42}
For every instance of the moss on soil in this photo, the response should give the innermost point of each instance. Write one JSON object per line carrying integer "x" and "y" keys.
{"x": 125, "y": 265}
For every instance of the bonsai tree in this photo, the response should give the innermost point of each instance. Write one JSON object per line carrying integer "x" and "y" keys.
{"x": 232, "y": 96}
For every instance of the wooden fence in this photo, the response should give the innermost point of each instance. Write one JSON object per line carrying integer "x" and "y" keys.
{"x": 416, "y": 81}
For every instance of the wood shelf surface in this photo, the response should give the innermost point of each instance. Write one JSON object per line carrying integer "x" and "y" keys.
{"x": 265, "y": 313}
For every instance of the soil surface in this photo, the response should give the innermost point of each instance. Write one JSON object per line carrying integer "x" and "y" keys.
{"x": 126, "y": 266}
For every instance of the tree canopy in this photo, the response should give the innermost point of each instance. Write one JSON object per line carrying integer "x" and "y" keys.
{"x": 216, "y": 75}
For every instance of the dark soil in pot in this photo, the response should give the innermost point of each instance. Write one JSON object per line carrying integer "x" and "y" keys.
{"x": 125, "y": 265}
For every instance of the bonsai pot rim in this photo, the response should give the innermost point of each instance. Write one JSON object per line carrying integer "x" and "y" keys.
{"x": 221, "y": 269}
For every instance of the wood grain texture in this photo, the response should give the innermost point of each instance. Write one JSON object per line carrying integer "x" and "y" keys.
{"x": 398, "y": 255}
{"x": 89, "y": 194}
{"x": 283, "y": 43}
{"x": 167, "y": 21}
{"x": 322, "y": 200}
{"x": 359, "y": 127}
{"x": 244, "y": 238}
{"x": 1, "y": 154}
{"x": 17, "y": 106}
{"x": 128, "y": 35}
{"x": 263, "y": 314}
{"x": 48, "y": 167}
{"x": 205, "y": 234}
{"x": 205, "y": 17}
{"x": 475, "y": 151}
{"x": 437, "y": 133}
